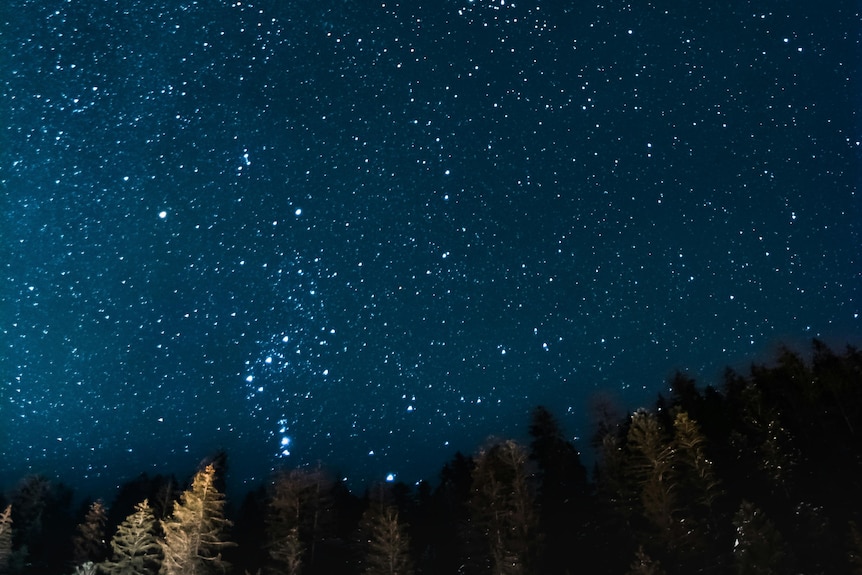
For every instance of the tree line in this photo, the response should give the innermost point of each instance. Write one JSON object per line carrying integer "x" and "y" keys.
{"x": 760, "y": 476}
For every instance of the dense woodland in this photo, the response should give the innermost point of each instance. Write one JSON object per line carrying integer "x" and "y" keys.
{"x": 763, "y": 475}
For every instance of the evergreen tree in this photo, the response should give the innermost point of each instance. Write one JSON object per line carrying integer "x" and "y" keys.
{"x": 563, "y": 494}
{"x": 5, "y": 539}
{"x": 86, "y": 568}
{"x": 854, "y": 555}
{"x": 759, "y": 547}
{"x": 651, "y": 466}
{"x": 136, "y": 550}
{"x": 388, "y": 545}
{"x": 287, "y": 552}
{"x": 696, "y": 489}
{"x": 41, "y": 540}
{"x": 691, "y": 457}
{"x": 503, "y": 508}
{"x": 194, "y": 533}
{"x": 89, "y": 543}
{"x": 644, "y": 565}
{"x": 772, "y": 442}
{"x": 299, "y": 513}
{"x": 448, "y": 513}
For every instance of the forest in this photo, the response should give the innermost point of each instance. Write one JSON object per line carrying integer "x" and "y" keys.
{"x": 759, "y": 475}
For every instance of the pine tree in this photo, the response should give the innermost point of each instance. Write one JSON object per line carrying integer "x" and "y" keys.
{"x": 644, "y": 565}
{"x": 563, "y": 494}
{"x": 287, "y": 552}
{"x": 85, "y": 568}
{"x": 136, "y": 550}
{"x": 388, "y": 542}
{"x": 5, "y": 538}
{"x": 690, "y": 455}
{"x": 194, "y": 534}
{"x": 652, "y": 468}
{"x": 503, "y": 509}
{"x": 854, "y": 555}
{"x": 40, "y": 510}
{"x": 89, "y": 544}
{"x": 299, "y": 513}
{"x": 283, "y": 520}
{"x": 759, "y": 547}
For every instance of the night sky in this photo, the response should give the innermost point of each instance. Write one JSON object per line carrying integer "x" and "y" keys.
{"x": 374, "y": 233}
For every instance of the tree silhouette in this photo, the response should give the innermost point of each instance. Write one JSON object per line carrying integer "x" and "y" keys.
{"x": 40, "y": 511}
{"x": 194, "y": 533}
{"x": 759, "y": 548}
{"x": 563, "y": 494}
{"x": 89, "y": 544}
{"x": 503, "y": 509}
{"x": 299, "y": 513}
{"x": 855, "y": 552}
{"x": 644, "y": 564}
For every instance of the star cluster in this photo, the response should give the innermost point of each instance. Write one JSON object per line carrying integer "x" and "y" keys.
{"x": 372, "y": 234}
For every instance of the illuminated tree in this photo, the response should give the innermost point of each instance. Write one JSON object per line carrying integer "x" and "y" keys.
{"x": 136, "y": 549}
{"x": 5, "y": 538}
{"x": 194, "y": 533}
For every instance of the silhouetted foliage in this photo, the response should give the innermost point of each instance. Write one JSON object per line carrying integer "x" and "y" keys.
{"x": 159, "y": 490}
{"x": 89, "y": 544}
{"x": 563, "y": 496}
{"x": 300, "y": 517}
{"x": 42, "y": 538}
{"x": 502, "y": 508}
{"x": 759, "y": 548}
{"x": 762, "y": 475}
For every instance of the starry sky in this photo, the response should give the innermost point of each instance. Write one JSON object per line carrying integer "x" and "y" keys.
{"x": 373, "y": 233}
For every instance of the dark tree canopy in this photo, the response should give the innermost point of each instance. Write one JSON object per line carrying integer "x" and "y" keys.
{"x": 761, "y": 475}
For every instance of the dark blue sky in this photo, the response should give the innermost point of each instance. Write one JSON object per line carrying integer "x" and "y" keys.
{"x": 374, "y": 233}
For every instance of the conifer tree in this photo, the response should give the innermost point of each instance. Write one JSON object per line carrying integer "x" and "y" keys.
{"x": 86, "y": 568}
{"x": 5, "y": 538}
{"x": 644, "y": 564}
{"x": 759, "y": 547}
{"x": 855, "y": 553}
{"x": 297, "y": 517}
{"x": 503, "y": 509}
{"x": 692, "y": 459}
{"x": 770, "y": 441}
{"x": 89, "y": 544}
{"x": 563, "y": 494}
{"x": 135, "y": 548}
{"x": 194, "y": 533}
{"x": 652, "y": 467}
{"x": 283, "y": 520}
{"x": 388, "y": 543}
